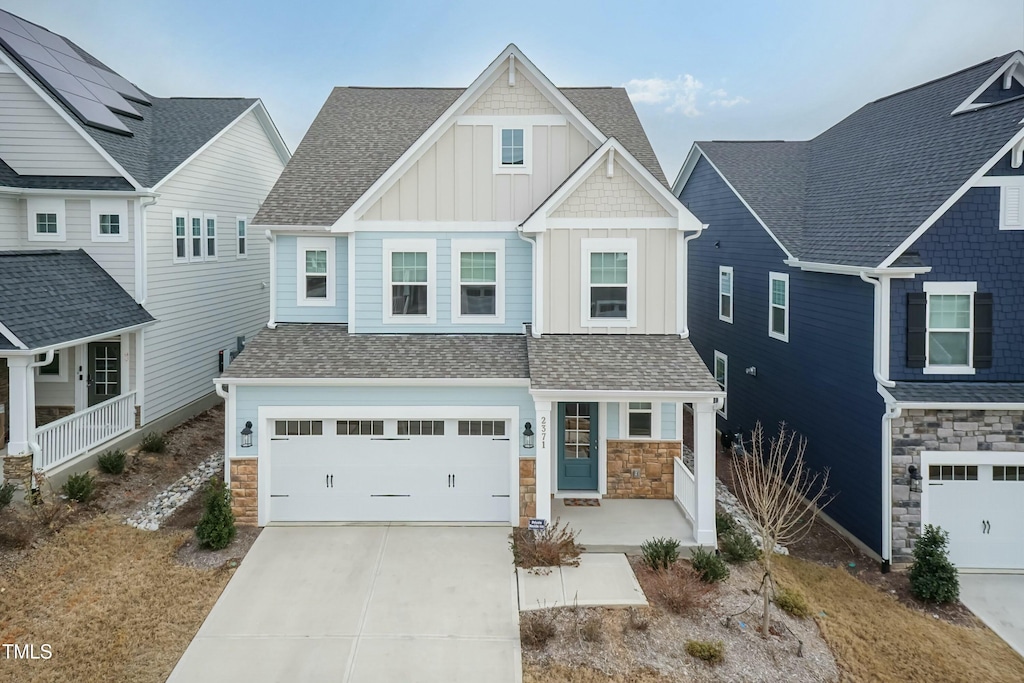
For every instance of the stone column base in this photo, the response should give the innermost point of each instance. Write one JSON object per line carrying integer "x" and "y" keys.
{"x": 244, "y": 492}
{"x": 18, "y": 470}
{"x": 527, "y": 490}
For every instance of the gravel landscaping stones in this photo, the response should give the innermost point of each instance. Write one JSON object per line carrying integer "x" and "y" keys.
{"x": 177, "y": 494}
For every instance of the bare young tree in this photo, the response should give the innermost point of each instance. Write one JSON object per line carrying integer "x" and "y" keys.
{"x": 781, "y": 494}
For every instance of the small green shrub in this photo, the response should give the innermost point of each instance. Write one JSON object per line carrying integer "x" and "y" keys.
{"x": 933, "y": 577}
{"x": 113, "y": 462}
{"x": 709, "y": 565}
{"x": 793, "y": 602}
{"x": 660, "y": 553}
{"x": 738, "y": 547}
{"x": 537, "y": 628}
{"x": 217, "y": 527}
{"x": 710, "y": 651}
{"x": 154, "y": 442}
{"x": 7, "y": 494}
{"x": 79, "y": 487}
{"x": 724, "y": 522}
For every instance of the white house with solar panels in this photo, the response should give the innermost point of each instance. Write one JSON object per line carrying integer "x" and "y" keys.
{"x": 128, "y": 274}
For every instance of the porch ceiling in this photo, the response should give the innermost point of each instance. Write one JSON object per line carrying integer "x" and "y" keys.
{"x": 50, "y": 297}
{"x": 616, "y": 362}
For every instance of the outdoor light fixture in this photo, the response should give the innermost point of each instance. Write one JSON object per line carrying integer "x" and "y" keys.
{"x": 247, "y": 435}
{"x": 915, "y": 478}
{"x": 752, "y": 371}
{"x": 528, "y": 436}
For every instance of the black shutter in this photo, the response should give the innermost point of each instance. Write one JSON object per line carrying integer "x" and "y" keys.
{"x": 982, "y": 330}
{"x": 917, "y": 329}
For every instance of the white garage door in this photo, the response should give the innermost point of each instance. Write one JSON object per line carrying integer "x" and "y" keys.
{"x": 382, "y": 470}
{"x": 982, "y": 508}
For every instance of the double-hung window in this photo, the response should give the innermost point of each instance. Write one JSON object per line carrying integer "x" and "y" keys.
{"x": 512, "y": 147}
{"x": 316, "y": 271}
{"x": 640, "y": 419}
{"x": 778, "y": 306}
{"x": 109, "y": 220}
{"x": 46, "y": 220}
{"x": 210, "y": 221}
{"x": 512, "y": 143}
{"x": 950, "y": 330}
{"x": 722, "y": 376}
{"x": 180, "y": 219}
{"x": 196, "y": 254}
{"x": 725, "y": 293}
{"x": 409, "y": 281}
{"x": 241, "y": 227}
{"x": 609, "y": 289}
{"x": 478, "y": 281}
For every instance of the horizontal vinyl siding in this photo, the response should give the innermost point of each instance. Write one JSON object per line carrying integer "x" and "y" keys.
{"x": 203, "y": 307}
{"x": 35, "y": 140}
{"x": 370, "y": 283}
{"x": 820, "y": 383}
{"x": 250, "y": 398}
{"x": 287, "y": 279}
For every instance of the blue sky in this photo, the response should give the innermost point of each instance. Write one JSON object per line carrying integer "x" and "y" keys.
{"x": 696, "y": 70}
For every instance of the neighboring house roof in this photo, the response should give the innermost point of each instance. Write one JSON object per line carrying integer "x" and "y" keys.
{"x": 52, "y": 297}
{"x": 361, "y": 132}
{"x": 958, "y": 392}
{"x": 855, "y": 193}
{"x": 10, "y": 178}
{"x": 329, "y": 351}
{"x": 616, "y": 362}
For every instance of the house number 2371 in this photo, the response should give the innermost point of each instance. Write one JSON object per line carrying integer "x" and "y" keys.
{"x": 543, "y": 432}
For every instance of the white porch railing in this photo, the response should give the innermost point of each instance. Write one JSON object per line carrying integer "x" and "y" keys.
{"x": 73, "y": 435}
{"x": 685, "y": 489}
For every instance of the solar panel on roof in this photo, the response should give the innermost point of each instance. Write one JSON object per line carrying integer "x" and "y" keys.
{"x": 93, "y": 94}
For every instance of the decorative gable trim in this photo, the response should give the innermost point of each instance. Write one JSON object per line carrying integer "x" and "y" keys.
{"x": 511, "y": 56}
{"x": 613, "y": 155}
{"x": 1011, "y": 70}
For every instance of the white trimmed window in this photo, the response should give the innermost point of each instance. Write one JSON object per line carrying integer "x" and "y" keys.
{"x": 46, "y": 220}
{"x": 640, "y": 419}
{"x": 210, "y": 223}
{"x": 778, "y": 306}
{"x": 609, "y": 282}
{"x": 512, "y": 145}
{"x": 315, "y": 267}
{"x": 725, "y": 293}
{"x": 1010, "y": 209}
{"x": 722, "y": 377}
{"x": 478, "y": 281}
{"x": 109, "y": 220}
{"x": 180, "y": 225}
{"x": 195, "y": 237}
{"x": 950, "y": 346}
{"x": 56, "y": 370}
{"x": 410, "y": 281}
{"x": 241, "y": 228}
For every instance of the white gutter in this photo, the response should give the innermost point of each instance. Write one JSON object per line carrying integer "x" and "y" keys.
{"x": 84, "y": 194}
{"x": 74, "y": 342}
{"x": 682, "y": 286}
{"x": 535, "y": 328}
{"x": 880, "y": 333}
{"x": 836, "y": 269}
{"x": 272, "y": 238}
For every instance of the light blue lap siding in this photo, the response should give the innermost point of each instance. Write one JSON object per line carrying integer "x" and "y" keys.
{"x": 612, "y": 418}
{"x": 370, "y": 274}
{"x": 249, "y": 399}
{"x": 668, "y": 421}
{"x": 288, "y": 310}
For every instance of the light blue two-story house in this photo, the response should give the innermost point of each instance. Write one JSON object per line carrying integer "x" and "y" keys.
{"x": 864, "y": 287}
{"x": 478, "y": 311}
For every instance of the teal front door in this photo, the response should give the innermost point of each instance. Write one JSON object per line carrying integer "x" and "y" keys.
{"x": 577, "y": 446}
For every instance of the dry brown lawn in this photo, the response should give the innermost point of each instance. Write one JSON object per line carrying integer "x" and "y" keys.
{"x": 111, "y": 601}
{"x": 875, "y": 638}
{"x": 533, "y": 673}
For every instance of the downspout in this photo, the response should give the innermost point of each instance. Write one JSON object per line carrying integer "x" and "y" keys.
{"x": 228, "y": 425}
{"x": 33, "y": 445}
{"x": 141, "y": 261}
{"x": 535, "y": 329}
{"x": 892, "y": 411}
{"x": 880, "y": 377}
{"x": 682, "y": 308}
{"x": 272, "y": 323}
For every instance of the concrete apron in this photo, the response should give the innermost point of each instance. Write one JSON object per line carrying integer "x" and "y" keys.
{"x": 998, "y": 600}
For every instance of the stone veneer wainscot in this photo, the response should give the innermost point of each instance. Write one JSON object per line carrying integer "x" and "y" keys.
{"x": 244, "y": 495}
{"x": 654, "y": 459}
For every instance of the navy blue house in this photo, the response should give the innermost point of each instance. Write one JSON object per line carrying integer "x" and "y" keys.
{"x": 867, "y": 288}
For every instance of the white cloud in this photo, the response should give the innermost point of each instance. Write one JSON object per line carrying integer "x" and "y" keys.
{"x": 685, "y": 94}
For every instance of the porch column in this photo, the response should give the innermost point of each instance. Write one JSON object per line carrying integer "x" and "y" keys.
{"x": 704, "y": 472}
{"x": 22, "y": 407}
{"x": 543, "y": 465}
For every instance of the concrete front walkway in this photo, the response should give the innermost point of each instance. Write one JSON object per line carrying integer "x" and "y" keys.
{"x": 360, "y": 604}
{"x": 998, "y": 600}
{"x": 601, "y": 579}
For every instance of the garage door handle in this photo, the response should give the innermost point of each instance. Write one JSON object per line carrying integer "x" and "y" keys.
{"x": 505, "y": 439}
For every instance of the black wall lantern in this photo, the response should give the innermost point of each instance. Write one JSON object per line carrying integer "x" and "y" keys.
{"x": 247, "y": 435}
{"x": 528, "y": 436}
{"x": 915, "y": 478}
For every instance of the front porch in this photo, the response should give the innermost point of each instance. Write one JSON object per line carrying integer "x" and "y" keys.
{"x": 620, "y": 526}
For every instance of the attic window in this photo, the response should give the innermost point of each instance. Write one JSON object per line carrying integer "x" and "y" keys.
{"x": 512, "y": 147}
{"x": 512, "y": 143}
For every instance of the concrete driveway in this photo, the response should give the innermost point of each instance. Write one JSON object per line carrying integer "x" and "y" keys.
{"x": 998, "y": 600}
{"x": 357, "y": 604}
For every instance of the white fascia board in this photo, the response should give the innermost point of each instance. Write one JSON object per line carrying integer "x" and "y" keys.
{"x": 206, "y": 146}
{"x": 373, "y": 381}
{"x": 436, "y": 226}
{"x": 958, "y": 406}
{"x": 744, "y": 202}
{"x": 76, "y": 342}
{"x": 291, "y": 229}
{"x": 683, "y": 219}
{"x": 968, "y": 104}
{"x": 837, "y": 269}
{"x": 76, "y": 194}
{"x": 11, "y": 337}
{"x": 71, "y": 121}
{"x": 953, "y": 199}
{"x": 273, "y": 134}
{"x": 578, "y": 395}
{"x": 692, "y": 157}
{"x": 447, "y": 119}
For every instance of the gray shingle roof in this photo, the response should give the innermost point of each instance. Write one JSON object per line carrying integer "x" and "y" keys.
{"x": 10, "y": 178}
{"x": 50, "y": 297}
{"x": 617, "y": 362}
{"x": 360, "y": 132}
{"x": 854, "y": 193}
{"x": 958, "y": 392}
{"x": 329, "y": 351}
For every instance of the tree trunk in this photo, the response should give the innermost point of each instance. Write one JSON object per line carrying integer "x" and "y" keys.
{"x": 766, "y": 615}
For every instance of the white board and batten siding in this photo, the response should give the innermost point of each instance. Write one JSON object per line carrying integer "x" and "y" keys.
{"x": 201, "y": 307}
{"x": 36, "y": 140}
